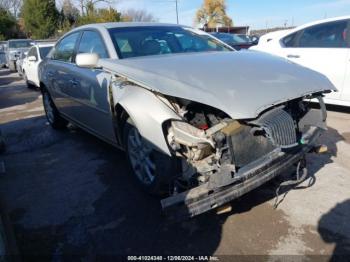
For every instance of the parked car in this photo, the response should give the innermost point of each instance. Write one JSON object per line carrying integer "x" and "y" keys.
{"x": 323, "y": 46}
{"x": 2, "y": 59}
{"x": 253, "y": 39}
{"x": 233, "y": 40}
{"x": 2, "y": 54}
{"x": 19, "y": 62}
{"x": 15, "y": 47}
{"x": 32, "y": 61}
{"x": 200, "y": 123}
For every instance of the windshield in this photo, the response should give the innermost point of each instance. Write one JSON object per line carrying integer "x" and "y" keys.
{"x": 145, "y": 41}
{"x": 20, "y": 44}
{"x": 230, "y": 38}
{"x": 44, "y": 51}
{"x": 245, "y": 37}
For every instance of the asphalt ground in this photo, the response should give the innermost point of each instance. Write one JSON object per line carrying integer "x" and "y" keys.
{"x": 70, "y": 195}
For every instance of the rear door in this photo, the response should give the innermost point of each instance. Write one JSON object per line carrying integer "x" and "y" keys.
{"x": 323, "y": 48}
{"x": 91, "y": 88}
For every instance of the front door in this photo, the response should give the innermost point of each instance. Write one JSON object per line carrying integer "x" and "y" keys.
{"x": 60, "y": 74}
{"x": 91, "y": 87}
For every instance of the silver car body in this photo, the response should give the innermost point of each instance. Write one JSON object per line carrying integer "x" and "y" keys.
{"x": 243, "y": 85}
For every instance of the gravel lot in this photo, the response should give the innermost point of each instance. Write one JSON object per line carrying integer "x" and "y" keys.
{"x": 67, "y": 193}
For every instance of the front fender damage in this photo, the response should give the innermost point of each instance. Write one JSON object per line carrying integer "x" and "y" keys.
{"x": 135, "y": 100}
{"x": 222, "y": 158}
{"x": 227, "y": 159}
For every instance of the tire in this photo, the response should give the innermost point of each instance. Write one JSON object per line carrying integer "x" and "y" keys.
{"x": 30, "y": 86}
{"x": 51, "y": 112}
{"x": 12, "y": 66}
{"x": 141, "y": 157}
{"x": 2, "y": 144}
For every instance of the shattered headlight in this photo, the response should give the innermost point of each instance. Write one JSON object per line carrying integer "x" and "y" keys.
{"x": 191, "y": 141}
{"x": 186, "y": 134}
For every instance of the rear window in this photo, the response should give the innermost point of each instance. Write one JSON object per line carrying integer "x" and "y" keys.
{"x": 20, "y": 44}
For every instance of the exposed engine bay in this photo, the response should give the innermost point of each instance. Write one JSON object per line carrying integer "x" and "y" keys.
{"x": 215, "y": 149}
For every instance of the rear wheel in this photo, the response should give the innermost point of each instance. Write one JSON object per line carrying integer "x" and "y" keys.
{"x": 154, "y": 171}
{"x": 52, "y": 114}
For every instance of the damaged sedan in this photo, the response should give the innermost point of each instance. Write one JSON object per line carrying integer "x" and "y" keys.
{"x": 201, "y": 124}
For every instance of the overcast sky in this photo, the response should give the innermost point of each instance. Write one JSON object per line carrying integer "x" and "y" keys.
{"x": 255, "y": 13}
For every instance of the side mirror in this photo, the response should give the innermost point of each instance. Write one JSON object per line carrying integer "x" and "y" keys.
{"x": 32, "y": 58}
{"x": 87, "y": 60}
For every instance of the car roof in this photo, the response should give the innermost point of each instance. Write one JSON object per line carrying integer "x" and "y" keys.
{"x": 45, "y": 44}
{"x": 127, "y": 24}
{"x": 298, "y": 28}
{"x": 332, "y": 19}
{"x": 24, "y": 39}
{"x": 283, "y": 33}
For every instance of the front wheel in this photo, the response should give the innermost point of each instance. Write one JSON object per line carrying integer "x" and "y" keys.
{"x": 52, "y": 114}
{"x": 29, "y": 85}
{"x": 154, "y": 171}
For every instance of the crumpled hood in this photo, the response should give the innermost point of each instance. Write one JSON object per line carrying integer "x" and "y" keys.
{"x": 242, "y": 84}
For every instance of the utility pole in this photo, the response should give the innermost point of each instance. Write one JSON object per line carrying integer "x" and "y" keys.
{"x": 169, "y": 1}
{"x": 177, "y": 12}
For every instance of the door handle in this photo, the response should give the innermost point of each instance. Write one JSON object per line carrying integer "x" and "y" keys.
{"x": 293, "y": 56}
{"x": 73, "y": 82}
{"x": 49, "y": 74}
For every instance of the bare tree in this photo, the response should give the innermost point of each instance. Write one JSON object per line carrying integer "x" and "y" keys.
{"x": 69, "y": 10}
{"x": 11, "y": 5}
{"x": 133, "y": 15}
{"x": 85, "y": 5}
{"x": 5, "y": 4}
{"x": 16, "y": 6}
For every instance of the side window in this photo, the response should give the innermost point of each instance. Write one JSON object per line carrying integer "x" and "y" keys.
{"x": 35, "y": 53}
{"x": 31, "y": 52}
{"x": 328, "y": 35}
{"x": 91, "y": 42}
{"x": 65, "y": 49}
{"x": 289, "y": 41}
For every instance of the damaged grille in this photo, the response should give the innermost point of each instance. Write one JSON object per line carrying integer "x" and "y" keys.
{"x": 279, "y": 127}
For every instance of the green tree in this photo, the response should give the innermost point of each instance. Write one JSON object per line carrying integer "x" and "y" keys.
{"x": 7, "y": 23}
{"x": 213, "y": 13}
{"x": 40, "y": 18}
{"x": 102, "y": 15}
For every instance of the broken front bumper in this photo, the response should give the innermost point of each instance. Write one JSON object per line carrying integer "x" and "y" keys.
{"x": 214, "y": 194}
